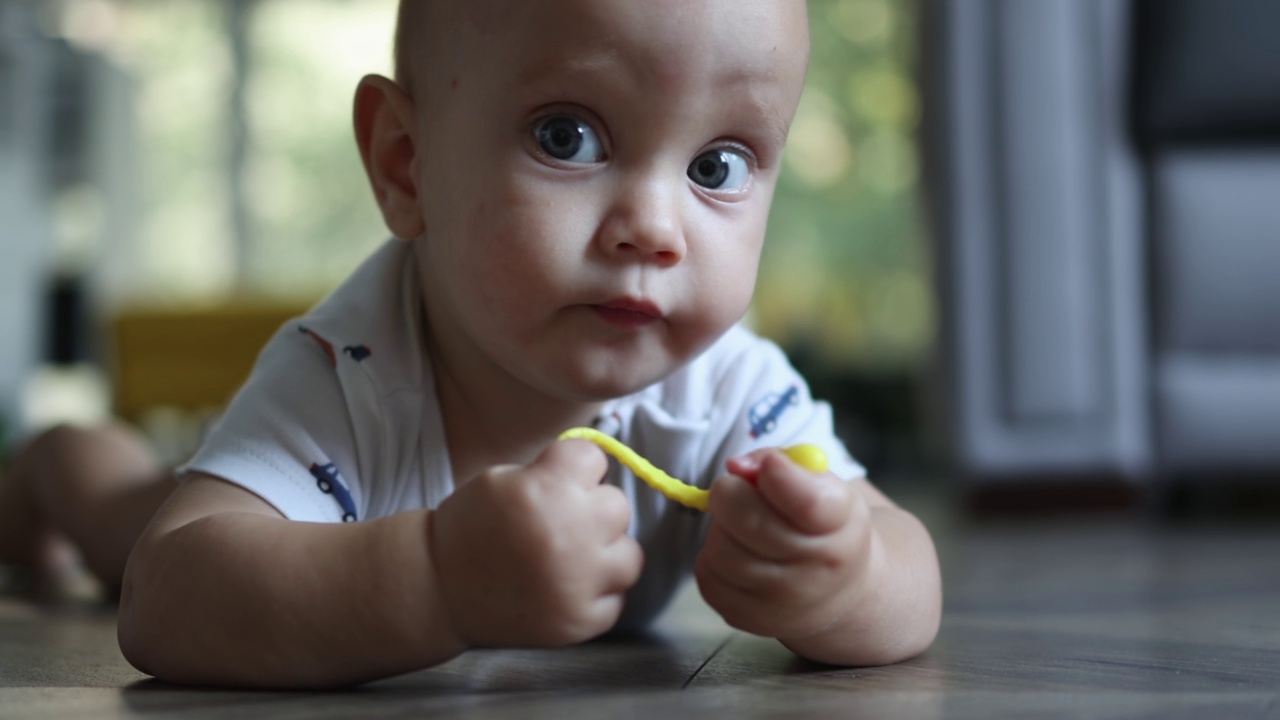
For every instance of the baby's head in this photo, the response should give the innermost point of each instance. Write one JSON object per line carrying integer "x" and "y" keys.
{"x": 588, "y": 181}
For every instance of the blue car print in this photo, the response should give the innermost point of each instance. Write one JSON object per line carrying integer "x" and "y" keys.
{"x": 330, "y": 483}
{"x": 764, "y": 415}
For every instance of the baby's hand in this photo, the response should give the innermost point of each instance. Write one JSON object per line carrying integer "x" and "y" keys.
{"x": 536, "y": 556}
{"x": 788, "y": 557}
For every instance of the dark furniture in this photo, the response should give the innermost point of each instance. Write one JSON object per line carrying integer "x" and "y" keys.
{"x": 1104, "y": 181}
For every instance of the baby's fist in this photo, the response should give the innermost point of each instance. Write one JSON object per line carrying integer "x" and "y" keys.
{"x": 782, "y": 558}
{"x": 536, "y": 556}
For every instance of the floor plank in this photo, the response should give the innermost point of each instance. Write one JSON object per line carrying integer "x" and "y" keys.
{"x": 1099, "y": 618}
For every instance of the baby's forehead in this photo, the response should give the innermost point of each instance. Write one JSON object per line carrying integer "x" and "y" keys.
{"x": 429, "y": 33}
{"x": 460, "y": 34}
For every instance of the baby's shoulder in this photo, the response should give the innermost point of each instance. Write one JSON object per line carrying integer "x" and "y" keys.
{"x": 369, "y": 327}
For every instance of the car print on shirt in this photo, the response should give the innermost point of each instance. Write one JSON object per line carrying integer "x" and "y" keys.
{"x": 763, "y": 415}
{"x": 330, "y": 483}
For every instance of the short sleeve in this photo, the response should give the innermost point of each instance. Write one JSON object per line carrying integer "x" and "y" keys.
{"x": 287, "y": 436}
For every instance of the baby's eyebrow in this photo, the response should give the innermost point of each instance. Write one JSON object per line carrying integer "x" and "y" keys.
{"x": 768, "y": 123}
{"x": 775, "y": 126}
{"x": 601, "y": 63}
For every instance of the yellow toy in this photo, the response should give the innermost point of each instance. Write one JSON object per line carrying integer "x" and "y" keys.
{"x": 807, "y": 456}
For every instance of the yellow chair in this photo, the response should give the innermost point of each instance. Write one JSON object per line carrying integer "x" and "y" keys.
{"x": 191, "y": 359}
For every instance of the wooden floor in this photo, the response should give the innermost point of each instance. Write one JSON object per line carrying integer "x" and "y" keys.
{"x": 1067, "y": 618}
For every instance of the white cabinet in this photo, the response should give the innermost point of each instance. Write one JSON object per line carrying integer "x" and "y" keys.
{"x": 26, "y": 73}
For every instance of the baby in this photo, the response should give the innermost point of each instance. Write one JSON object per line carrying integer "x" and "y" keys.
{"x": 578, "y": 192}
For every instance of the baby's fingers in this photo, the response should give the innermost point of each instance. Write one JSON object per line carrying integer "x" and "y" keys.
{"x": 812, "y": 503}
{"x": 610, "y": 512}
{"x": 623, "y": 563}
{"x": 574, "y": 461}
{"x": 740, "y": 512}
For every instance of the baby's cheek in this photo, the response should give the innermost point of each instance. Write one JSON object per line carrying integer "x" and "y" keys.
{"x": 727, "y": 295}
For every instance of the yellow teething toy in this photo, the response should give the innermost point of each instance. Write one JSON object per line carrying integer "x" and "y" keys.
{"x": 807, "y": 456}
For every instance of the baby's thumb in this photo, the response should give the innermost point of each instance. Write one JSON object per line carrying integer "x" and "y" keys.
{"x": 813, "y": 503}
{"x": 574, "y": 461}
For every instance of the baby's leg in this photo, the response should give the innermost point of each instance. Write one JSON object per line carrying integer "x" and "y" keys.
{"x": 96, "y": 487}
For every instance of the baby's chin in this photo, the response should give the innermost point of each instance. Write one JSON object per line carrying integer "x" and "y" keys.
{"x": 590, "y": 371}
{"x": 604, "y": 381}
{"x": 602, "y": 389}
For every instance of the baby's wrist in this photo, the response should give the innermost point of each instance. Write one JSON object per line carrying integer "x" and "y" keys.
{"x": 446, "y": 634}
{"x": 852, "y": 594}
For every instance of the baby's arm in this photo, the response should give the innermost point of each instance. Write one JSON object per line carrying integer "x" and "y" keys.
{"x": 221, "y": 589}
{"x": 833, "y": 569}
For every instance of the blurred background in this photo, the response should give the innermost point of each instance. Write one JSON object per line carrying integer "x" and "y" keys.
{"x": 1017, "y": 243}
{"x": 180, "y": 155}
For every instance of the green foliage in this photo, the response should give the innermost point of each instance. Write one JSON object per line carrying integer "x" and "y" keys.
{"x": 845, "y": 269}
{"x": 845, "y": 265}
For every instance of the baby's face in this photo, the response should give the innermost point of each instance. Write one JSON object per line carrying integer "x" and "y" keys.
{"x": 596, "y": 178}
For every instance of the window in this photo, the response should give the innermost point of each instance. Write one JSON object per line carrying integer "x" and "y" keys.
{"x": 845, "y": 272}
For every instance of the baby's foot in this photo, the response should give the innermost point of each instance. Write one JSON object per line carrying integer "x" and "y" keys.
{"x": 41, "y": 562}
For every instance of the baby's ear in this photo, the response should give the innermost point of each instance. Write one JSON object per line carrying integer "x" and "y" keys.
{"x": 386, "y": 135}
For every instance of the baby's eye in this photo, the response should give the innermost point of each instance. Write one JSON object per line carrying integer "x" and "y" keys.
{"x": 720, "y": 170}
{"x": 569, "y": 140}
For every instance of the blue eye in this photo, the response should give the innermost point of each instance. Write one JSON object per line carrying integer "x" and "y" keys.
{"x": 720, "y": 170}
{"x": 569, "y": 140}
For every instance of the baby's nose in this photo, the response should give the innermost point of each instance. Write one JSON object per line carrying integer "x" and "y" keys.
{"x": 644, "y": 225}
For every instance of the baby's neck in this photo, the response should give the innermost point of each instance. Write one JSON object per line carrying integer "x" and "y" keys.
{"x": 477, "y": 444}
{"x": 488, "y": 425}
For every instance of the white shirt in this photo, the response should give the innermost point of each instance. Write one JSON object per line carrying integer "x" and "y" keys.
{"x": 339, "y": 421}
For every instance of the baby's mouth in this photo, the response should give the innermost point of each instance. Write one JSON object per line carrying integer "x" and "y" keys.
{"x": 628, "y": 313}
